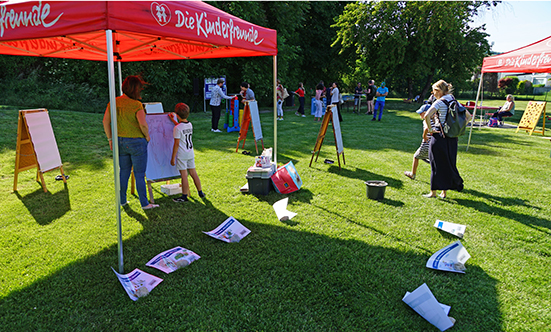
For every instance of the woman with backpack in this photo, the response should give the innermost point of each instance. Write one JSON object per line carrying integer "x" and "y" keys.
{"x": 442, "y": 149}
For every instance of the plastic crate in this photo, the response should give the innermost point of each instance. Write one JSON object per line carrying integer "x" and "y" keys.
{"x": 259, "y": 186}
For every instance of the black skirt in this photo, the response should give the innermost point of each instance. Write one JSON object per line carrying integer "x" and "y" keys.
{"x": 443, "y": 158}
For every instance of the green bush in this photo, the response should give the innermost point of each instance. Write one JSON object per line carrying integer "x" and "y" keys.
{"x": 524, "y": 87}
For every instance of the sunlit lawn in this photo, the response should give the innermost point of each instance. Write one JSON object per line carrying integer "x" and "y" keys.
{"x": 342, "y": 264}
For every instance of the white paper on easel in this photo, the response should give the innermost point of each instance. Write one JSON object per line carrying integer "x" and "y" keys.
{"x": 43, "y": 139}
{"x": 425, "y": 304}
{"x": 281, "y": 211}
{"x": 337, "y": 129}
{"x": 255, "y": 119}
{"x": 455, "y": 229}
{"x": 451, "y": 258}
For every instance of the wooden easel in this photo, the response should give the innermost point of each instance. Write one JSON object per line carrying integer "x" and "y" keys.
{"x": 531, "y": 117}
{"x": 245, "y": 128}
{"x": 25, "y": 153}
{"x": 149, "y": 187}
{"x": 321, "y": 136}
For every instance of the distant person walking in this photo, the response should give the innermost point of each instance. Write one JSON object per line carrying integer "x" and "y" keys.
{"x": 215, "y": 99}
{"x": 369, "y": 95}
{"x": 318, "y": 102}
{"x": 280, "y": 99}
{"x": 300, "y": 93}
{"x": 358, "y": 91}
{"x": 381, "y": 94}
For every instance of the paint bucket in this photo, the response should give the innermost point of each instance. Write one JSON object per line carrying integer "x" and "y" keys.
{"x": 376, "y": 189}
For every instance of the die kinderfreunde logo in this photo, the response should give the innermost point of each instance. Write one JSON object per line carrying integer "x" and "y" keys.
{"x": 204, "y": 26}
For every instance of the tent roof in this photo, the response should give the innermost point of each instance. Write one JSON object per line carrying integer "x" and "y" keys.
{"x": 533, "y": 58}
{"x": 143, "y": 30}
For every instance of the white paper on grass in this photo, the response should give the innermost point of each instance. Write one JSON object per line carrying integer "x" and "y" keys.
{"x": 425, "y": 304}
{"x": 42, "y": 136}
{"x": 281, "y": 211}
{"x": 138, "y": 283}
{"x": 173, "y": 259}
{"x": 230, "y": 230}
{"x": 451, "y": 258}
{"x": 455, "y": 229}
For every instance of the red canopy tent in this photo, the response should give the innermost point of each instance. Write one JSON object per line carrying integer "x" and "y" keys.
{"x": 533, "y": 58}
{"x": 124, "y": 31}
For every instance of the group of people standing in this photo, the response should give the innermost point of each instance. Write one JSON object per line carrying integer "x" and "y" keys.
{"x": 371, "y": 92}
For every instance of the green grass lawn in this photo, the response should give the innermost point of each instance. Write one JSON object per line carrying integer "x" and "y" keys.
{"x": 342, "y": 264}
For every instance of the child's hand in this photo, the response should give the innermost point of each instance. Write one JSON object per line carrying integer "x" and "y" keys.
{"x": 172, "y": 162}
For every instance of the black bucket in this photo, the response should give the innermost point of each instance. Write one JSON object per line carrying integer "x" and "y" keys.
{"x": 376, "y": 189}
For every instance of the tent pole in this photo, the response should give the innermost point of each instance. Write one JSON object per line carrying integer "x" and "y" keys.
{"x": 275, "y": 108}
{"x": 120, "y": 78}
{"x": 474, "y": 111}
{"x": 113, "y": 110}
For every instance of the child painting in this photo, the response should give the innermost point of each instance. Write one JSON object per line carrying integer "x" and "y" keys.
{"x": 183, "y": 156}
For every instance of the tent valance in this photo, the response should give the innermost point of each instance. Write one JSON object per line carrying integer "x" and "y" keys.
{"x": 142, "y": 30}
{"x": 533, "y": 58}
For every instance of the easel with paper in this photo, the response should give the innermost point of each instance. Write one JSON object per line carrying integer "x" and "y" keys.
{"x": 332, "y": 117}
{"x": 36, "y": 146}
{"x": 159, "y": 150}
{"x": 250, "y": 114}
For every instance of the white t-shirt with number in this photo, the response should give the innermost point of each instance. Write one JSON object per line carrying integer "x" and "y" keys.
{"x": 183, "y": 131}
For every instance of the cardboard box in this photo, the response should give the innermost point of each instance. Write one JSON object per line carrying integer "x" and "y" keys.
{"x": 171, "y": 189}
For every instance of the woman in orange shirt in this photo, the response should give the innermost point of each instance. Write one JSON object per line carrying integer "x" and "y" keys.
{"x": 133, "y": 137}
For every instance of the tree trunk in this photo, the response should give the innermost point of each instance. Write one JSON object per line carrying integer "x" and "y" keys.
{"x": 410, "y": 88}
{"x": 426, "y": 88}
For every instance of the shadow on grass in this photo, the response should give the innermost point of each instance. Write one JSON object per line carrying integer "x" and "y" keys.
{"x": 360, "y": 174}
{"x": 534, "y": 222}
{"x": 46, "y": 207}
{"x": 276, "y": 278}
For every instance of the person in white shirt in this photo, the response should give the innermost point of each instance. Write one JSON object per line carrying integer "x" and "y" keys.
{"x": 335, "y": 99}
{"x": 183, "y": 156}
{"x": 215, "y": 99}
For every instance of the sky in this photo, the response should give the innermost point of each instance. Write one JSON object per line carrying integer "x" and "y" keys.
{"x": 513, "y": 24}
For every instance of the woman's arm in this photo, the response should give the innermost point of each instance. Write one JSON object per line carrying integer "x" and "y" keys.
{"x": 140, "y": 115}
{"x": 428, "y": 115}
{"x": 107, "y": 126}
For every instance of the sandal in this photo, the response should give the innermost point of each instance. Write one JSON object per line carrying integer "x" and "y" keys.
{"x": 410, "y": 175}
{"x": 150, "y": 206}
{"x": 442, "y": 195}
{"x": 429, "y": 195}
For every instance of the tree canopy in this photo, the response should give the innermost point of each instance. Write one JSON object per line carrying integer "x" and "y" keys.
{"x": 408, "y": 43}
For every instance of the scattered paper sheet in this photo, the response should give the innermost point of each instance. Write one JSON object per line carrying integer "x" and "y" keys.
{"x": 173, "y": 259}
{"x": 230, "y": 230}
{"x": 281, "y": 211}
{"x": 455, "y": 229}
{"x": 451, "y": 258}
{"x": 138, "y": 283}
{"x": 425, "y": 304}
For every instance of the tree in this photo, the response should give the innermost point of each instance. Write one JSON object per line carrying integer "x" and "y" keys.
{"x": 410, "y": 43}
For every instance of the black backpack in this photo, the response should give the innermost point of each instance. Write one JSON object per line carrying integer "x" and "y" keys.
{"x": 456, "y": 119}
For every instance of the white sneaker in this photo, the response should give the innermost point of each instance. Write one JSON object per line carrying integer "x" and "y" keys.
{"x": 303, "y": 115}
{"x": 216, "y": 130}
